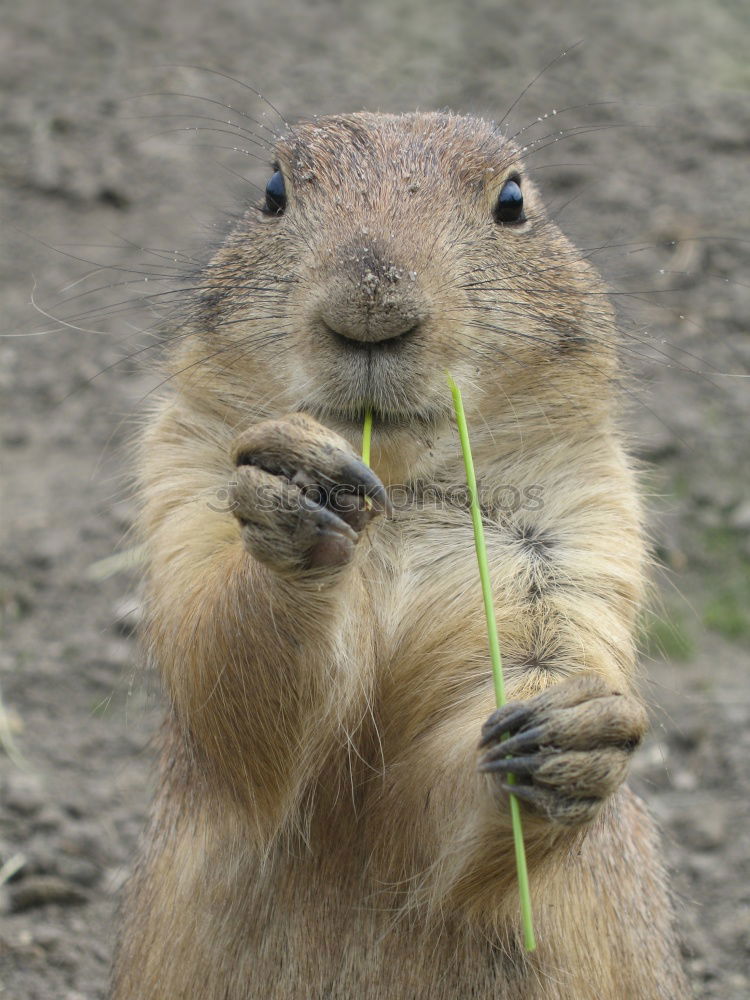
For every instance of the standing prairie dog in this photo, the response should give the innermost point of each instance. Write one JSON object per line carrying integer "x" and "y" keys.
{"x": 332, "y": 813}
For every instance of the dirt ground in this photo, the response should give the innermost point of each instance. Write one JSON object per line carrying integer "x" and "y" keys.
{"x": 658, "y": 194}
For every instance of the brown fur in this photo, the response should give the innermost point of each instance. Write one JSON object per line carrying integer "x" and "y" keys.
{"x": 321, "y": 828}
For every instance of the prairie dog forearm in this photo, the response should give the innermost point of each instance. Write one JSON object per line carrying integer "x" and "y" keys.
{"x": 252, "y": 661}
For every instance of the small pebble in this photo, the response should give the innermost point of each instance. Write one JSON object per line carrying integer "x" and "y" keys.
{"x": 24, "y": 793}
{"x": 47, "y": 936}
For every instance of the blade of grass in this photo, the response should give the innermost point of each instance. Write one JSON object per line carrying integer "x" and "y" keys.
{"x": 102, "y": 569}
{"x": 367, "y": 437}
{"x": 7, "y": 742}
{"x": 497, "y": 665}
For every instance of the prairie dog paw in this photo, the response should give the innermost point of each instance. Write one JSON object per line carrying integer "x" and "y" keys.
{"x": 569, "y": 747}
{"x": 302, "y": 496}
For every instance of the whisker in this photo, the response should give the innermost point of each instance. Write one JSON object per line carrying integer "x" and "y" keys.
{"x": 538, "y": 145}
{"x": 240, "y": 83}
{"x": 240, "y": 130}
{"x": 592, "y": 367}
{"x": 206, "y": 145}
{"x": 209, "y": 100}
{"x": 557, "y": 112}
{"x": 558, "y": 58}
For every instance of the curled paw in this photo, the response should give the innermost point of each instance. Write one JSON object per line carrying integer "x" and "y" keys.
{"x": 302, "y": 495}
{"x": 567, "y": 748}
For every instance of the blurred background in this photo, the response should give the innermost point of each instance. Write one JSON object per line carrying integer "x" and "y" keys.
{"x": 102, "y": 203}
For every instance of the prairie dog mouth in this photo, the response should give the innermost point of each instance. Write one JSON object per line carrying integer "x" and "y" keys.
{"x": 395, "y": 379}
{"x": 390, "y": 345}
{"x": 419, "y": 420}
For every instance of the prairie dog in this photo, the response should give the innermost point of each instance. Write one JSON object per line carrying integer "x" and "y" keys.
{"x": 327, "y": 824}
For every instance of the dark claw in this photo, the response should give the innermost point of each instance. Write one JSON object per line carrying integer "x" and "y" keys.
{"x": 507, "y": 719}
{"x": 523, "y": 767}
{"x": 521, "y": 743}
{"x": 356, "y": 517}
{"x": 357, "y": 475}
{"x": 527, "y": 793}
{"x": 564, "y": 811}
{"x": 352, "y": 473}
{"x": 326, "y": 520}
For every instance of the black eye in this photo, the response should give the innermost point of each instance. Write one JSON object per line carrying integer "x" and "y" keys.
{"x": 509, "y": 205}
{"x": 275, "y": 195}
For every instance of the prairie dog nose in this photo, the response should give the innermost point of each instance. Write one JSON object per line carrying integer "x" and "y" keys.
{"x": 386, "y": 321}
{"x": 370, "y": 300}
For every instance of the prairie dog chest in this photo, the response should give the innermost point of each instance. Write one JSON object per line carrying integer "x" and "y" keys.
{"x": 431, "y": 613}
{"x": 428, "y": 549}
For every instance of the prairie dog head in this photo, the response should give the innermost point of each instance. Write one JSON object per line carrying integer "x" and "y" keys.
{"x": 389, "y": 249}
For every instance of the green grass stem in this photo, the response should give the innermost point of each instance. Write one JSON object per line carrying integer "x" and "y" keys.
{"x": 495, "y": 658}
{"x": 367, "y": 437}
